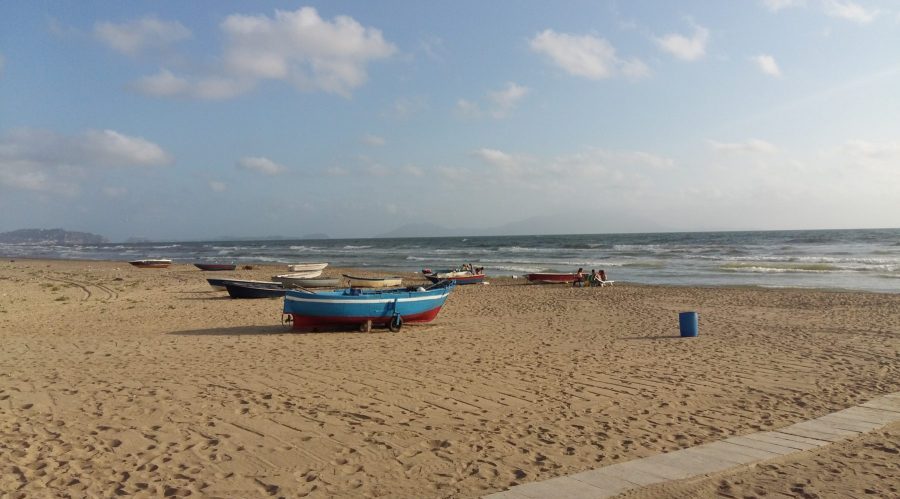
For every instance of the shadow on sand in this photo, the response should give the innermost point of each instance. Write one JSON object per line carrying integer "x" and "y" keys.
{"x": 237, "y": 331}
{"x": 282, "y": 329}
{"x": 658, "y": 337}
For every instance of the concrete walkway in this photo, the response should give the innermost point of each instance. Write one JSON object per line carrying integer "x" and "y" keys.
{"x": 714, "y": 457}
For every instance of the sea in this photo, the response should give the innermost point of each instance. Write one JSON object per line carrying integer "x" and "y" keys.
{"x": 860, "y": 259}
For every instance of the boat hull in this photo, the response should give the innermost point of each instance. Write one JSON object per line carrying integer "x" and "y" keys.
{"x": 458, "y": 279}
{"x": 552, "y": 278}
{"x": 151, "y": 264}
{"x": 290, "y": 282}
{"x": 219, "y": 284}
{"x": 355, "y": 306}
{"x": 214, "y": 266}
{"x": 305, "y": 267}
{"x": 271, "y": 290}
{"x": 306, "y": 274}
{"x": 374, "y": 282}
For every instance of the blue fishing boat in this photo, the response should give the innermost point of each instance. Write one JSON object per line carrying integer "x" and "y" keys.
{"x": 354, "y": 306}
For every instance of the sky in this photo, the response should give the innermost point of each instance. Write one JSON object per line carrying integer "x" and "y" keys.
{"x": 196, "y": 120}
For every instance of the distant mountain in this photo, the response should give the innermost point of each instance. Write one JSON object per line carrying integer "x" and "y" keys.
{"x": 50, "y": 236}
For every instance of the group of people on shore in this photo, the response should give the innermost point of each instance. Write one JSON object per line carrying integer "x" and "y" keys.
{"x": 594, "y": 279}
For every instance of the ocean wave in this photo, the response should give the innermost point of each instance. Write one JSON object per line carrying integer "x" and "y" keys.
{"x": 645, "y": 265}
{"x": 350, "y": 246}
{"x": 778, "y": 267}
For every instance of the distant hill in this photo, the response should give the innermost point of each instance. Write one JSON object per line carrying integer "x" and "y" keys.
{"x": 50, "y": 236}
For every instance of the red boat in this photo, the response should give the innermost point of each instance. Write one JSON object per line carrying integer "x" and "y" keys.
{"x": 553, "y": 277}
{"x": 215, "y": 266}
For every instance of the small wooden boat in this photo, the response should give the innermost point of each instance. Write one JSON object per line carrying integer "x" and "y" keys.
{"x": 215, "y": 266}
{"x": 552, "y": 277}
{"x": 461, "y": 278}
{"x": 305, "y": 267}
{"x": 374, "y": 282}
{"x": 305, "y": 282}
{"x": 151, "y": 263}
{"x": 255, "y": 290}
{"x": 354, "y": 306}
{"x": 219, "y": 284}
{"x": 306, "y": 274}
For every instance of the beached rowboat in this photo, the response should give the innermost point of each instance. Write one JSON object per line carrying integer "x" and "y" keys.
{"x": 255, "y": 290}
{"x": 306, "y": 274}
{"x": 215, "y": 266}
{"x": 305, "y": 282}
{"x": 219, "y": 284}
{"x": 151, "y": 263}
{"x": 353, "y": 306}
{"x": 304, "y": 267}
{"x": 374, "y": 282}
{"x": 460, "y": 278}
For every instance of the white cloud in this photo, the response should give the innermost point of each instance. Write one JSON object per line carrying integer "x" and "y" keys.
{"x": 163, "y": 84}
{"x": 584, "y": 55}
{"x": 683, "y": 47}
{"x": 261, "y": 165}
{"x": 776, "y": 5}
{"x": 751, "y": 146}
{"x": 301, "y": 47}
{"x": 217, "y": 186}
{"x": 166, "y": 84}
{"x": 373, "y": 140}
{"x": 507, "y": 99}
{"x": 767, "y": 64}
{"x": 850, "y": 11}
{"x": 468, "y": 109}
{"x": 134, "y": 37}
{"x": 41, "y": 160}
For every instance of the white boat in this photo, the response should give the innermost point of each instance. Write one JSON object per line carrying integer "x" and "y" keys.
{"x": 305, "y": 282}
{"x": 374, "y": 282}
{"x": 309, "y": 274}
{"x": 306, "y": 267}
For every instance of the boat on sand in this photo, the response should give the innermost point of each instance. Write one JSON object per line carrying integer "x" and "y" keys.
{"x": 152, "y": 263}
{"x": 215, "y": 266}
{"x": 461, "y": 277}
{"x": 219, "y": 284}
{"x": 364, "y": 307}
{"x": 306, "y": 282}
{"x": 373, "y": 282}
{"x": 304, "y": 267}
{"x": 255, "y": 290}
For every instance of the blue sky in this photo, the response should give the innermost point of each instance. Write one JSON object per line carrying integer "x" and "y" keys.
{"x": 193, "y": 120}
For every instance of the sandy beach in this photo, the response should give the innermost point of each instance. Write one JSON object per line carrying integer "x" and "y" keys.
{"x": 116, "y": 380}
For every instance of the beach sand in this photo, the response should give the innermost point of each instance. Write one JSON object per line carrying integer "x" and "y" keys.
{"x": 116, "y": 380}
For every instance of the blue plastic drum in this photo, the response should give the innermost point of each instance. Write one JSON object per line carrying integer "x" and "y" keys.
{"x": 688, "y": 322}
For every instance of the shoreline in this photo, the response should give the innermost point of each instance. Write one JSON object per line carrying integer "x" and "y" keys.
{"x": 146, "y": 381}
{"x": 506, "y": 279}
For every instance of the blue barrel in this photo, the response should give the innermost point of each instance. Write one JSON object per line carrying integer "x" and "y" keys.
{"x": 688, "y": 321}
